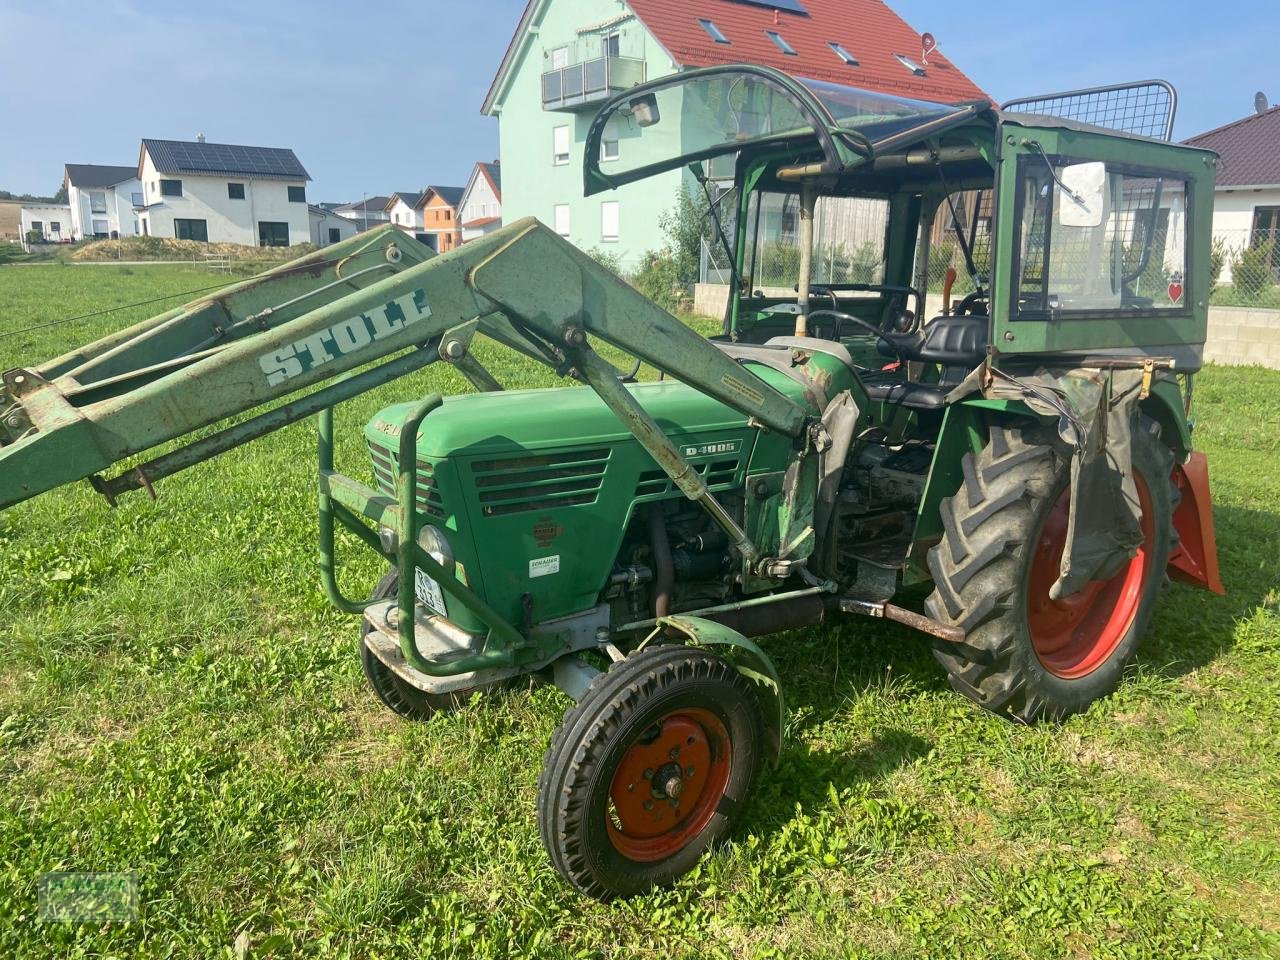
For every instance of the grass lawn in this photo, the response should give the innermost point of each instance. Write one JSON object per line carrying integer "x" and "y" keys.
{"x": 177, "y": 699}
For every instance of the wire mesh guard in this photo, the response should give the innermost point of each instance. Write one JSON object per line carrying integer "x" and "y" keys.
{"x": 1147, "y": 108}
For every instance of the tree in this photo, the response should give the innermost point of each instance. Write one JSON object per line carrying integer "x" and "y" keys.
{"x": 686, "y": 225}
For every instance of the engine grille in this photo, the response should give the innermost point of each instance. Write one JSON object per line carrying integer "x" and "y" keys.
{"x": 519, "y": 484}
{"x": 385, "y": 466}
{"x": 713, "y": 474}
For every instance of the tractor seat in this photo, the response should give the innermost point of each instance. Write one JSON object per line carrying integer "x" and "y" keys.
{"x": 951, "y": 341}
{"x": 907, "y": 393}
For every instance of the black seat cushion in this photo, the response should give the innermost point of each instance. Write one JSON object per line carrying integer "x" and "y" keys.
{"x": 906, "y": 393}
{"x": 949, "y": 341}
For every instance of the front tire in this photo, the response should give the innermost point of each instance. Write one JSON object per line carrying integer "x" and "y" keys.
{"x": 652, "y": 766}
{"x": 394, "y": 693}
{"x": 1027, "y": 656}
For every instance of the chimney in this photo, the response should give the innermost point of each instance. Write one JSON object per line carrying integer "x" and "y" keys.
{"x": 199, "y": 138}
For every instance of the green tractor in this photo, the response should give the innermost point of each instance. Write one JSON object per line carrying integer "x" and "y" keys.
{"x": 859, "y": 428}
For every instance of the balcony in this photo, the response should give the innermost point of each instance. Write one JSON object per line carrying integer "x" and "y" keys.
{"x": 585, "y": 84}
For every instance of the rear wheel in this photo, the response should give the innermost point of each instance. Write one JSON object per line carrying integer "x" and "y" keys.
{"x": 653, "y": 765}
{"x": 1027, "y": 655}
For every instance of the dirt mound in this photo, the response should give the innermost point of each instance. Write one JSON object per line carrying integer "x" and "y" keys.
{"x": 164, "y": 248}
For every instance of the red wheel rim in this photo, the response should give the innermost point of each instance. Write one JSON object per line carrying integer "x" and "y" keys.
{"x": 1076, "y": 635}
{"x": 668, "y": 785}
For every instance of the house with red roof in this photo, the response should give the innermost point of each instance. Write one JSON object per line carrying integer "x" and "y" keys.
{"x": 480, "y": 209}
{"x": 1246, "y": 198}
{"x": 567, "y": 57}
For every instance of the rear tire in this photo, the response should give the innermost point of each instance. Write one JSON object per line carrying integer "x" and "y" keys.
{"x": 1026, "y": 656}
{"x": 652, "y": 766}
{"x": 397, "y": 695}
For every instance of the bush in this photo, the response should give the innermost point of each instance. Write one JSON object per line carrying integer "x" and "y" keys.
{"x": 658, "y": 278}
{"x": 1251, "y": 270}
{"x": 35, "y": 236}
{"x": 686, "y": 225}
{"x": 607, "y": 259}
{"x": 1217, "y": 260}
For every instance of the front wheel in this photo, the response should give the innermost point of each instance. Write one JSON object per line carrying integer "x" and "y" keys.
{"x": 652, "y": 766}
{"x": 1027, "y": 655}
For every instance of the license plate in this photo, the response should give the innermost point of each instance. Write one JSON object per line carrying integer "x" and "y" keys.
{"x": 429, "y": 592}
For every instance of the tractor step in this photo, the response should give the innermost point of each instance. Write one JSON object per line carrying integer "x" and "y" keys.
{"x": 439, "y": 641}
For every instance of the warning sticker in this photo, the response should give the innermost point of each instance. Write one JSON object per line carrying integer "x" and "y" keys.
{"x": 544, "y": 566}
{"x": 741, "y": 388}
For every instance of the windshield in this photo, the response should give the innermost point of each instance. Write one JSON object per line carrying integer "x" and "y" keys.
{"x": 697, "y": 119}
{"x": 717, "y": 111}
{"x": 877, "y": 116}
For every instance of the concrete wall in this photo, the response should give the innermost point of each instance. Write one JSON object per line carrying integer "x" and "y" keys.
{"x": 1240, "y": 336}
{"x": 229, "y": 221}
{"x": 532, "y": 183}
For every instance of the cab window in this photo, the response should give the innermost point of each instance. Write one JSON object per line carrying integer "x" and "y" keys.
{"x": 849, "y": 240}
{"x": 1099, "y": 238}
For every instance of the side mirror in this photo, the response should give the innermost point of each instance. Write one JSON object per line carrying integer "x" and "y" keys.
{"x": 645, "y": 110}
{"x": 1084, "y": 195}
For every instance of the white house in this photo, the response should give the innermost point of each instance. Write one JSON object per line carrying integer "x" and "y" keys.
{"x": 402, "y": 210}
{"x": 1246, "y": 199}
{"x": 223, "y": 193}
{"x": 103, "y": 199}
{"x": 481, "y": 207}
{"x": 51, "y": 220}
{"x": 327, "y": 227}
{"x": 369, "y": 212}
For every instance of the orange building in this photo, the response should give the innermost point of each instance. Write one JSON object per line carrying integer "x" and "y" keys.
{"x": 440, "y": 220}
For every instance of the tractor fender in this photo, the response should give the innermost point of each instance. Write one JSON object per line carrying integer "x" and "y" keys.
{"x": 751, "y": 661}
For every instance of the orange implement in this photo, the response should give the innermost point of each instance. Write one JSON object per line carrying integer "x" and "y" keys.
{"x": 1195, "y": 558}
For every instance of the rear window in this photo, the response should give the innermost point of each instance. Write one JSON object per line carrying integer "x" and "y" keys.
{"x": 1118, "y": 249}
{"x": 849, "y": 239}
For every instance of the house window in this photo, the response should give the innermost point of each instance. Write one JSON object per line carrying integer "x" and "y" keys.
{"x": 273, "y": 234}
{"x": 780, "y": 42}
{"x": 560, "y": 145}
{"x": 610, "y": 46}
{"x": 235, "y": 191}
{"x": 37, "y": 226}
{"x": 609, "y": 221}
{"x": 297, "y": 194}
{"x": 559, "y": 58}
{"x": 561, "y": 219}
{"x": 138, "y": 200}
{"x": 55, "y": 226}
{"x": 170, "y": 188}
{"x": 713, "y": 31}
{"x": 1266, "y": 224}
{"x": 97, "y": 201}
{"x": 191, "y": 229}
{"x": 842, "y": 53}
{"x": 609, "y": 142}
{"x": 146, "y": 227}
{"x": 334, "y": 234}
{"x": 911, "y": 65}
{"x": 100, "y": 228}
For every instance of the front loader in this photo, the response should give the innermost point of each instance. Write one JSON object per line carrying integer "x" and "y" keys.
{"x": 1027, "y": 450}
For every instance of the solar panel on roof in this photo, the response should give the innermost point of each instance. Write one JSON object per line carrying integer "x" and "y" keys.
{"x": 790, "y": 6}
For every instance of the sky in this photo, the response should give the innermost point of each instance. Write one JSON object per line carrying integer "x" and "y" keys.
{"x": 385, "y": 95}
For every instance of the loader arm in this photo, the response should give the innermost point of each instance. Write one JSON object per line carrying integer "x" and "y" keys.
{"x": 257, "y": 346}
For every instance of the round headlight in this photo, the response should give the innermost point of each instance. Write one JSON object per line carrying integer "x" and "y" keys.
{"x": 434, "y": 543}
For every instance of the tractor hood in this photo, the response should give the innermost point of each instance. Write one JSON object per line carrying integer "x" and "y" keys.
{"x": 520, "y": 421}
{"x": 702, "y": 114}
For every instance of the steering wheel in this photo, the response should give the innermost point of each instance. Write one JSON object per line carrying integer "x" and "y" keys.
{"x": 840, "y": 317}
{"x": 965, "y": 306}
